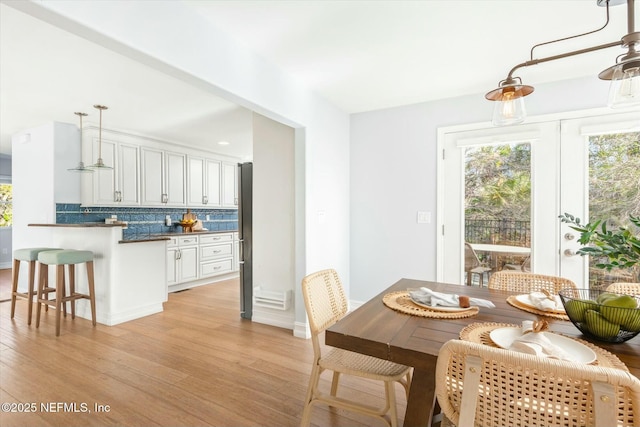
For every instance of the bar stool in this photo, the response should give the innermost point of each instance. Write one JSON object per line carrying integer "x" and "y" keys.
{"x": 60, "y": 258}
{"x": 29, "y": 255}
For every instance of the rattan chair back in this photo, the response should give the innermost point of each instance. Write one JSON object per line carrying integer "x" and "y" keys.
{"x": 326, "y": 303}
{"x": 478, "y": 385}
{"x": 525, "y": 283}
{"x": 624, "y": 288}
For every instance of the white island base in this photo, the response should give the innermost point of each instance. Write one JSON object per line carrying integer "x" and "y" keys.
{"x": 128, "y": 281}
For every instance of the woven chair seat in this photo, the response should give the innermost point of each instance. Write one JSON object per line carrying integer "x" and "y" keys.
{"x": 362, "y": 365}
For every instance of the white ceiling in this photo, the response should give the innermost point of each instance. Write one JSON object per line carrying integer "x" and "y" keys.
{"x": 361, "y": 55}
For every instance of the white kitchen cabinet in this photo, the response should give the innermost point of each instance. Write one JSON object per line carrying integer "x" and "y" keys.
{"x": 230, "y": 185}
{"x": 119, "y": 185}
{"x": 203, "y": 183}
{"x": 163, "y": 178}
{"x": 182, "y": 259}
{"x": 216, "y": 254}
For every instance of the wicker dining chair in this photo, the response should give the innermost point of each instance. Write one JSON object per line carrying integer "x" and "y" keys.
{"x": 478, "y": 385}
{"x": 624, "y": 288}
{"x": 326, "y": 303}
{"x": 528, "y": 282}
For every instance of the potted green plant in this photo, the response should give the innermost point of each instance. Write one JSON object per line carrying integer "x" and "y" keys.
{"x": 618, "y": 248}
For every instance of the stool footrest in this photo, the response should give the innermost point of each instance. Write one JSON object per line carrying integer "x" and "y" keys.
{"x": 74, "y": 297}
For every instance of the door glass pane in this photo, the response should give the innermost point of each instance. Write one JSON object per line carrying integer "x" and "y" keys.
{"x": 614, "y": 194}
{"x": 497, "y": 221}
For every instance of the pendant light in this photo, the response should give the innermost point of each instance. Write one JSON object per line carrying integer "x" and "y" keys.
{"x": 99, "y": 164}
{"x": 625, "y": 75}
{"x": 80, "y": 168}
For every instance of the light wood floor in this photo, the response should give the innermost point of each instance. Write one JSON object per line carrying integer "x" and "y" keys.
{"x": 196, "y": 364}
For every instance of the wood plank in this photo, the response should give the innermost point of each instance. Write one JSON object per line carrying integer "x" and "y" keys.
{"x": 196, "y": 363}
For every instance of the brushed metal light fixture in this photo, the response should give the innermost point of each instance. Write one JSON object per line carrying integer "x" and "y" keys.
{"x": 80, "y": 168}
{"x": 624, "y": 91}
{"x": 99, "y": 164}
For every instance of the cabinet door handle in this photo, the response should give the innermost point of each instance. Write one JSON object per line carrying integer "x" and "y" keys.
{"x": 119, "y": 196}
{"x": 235, "y": 201}
{"x": 165, "y": 198}
{"x": 205, "y": 200}
{"x": 217, "y": 251}
{"x": 178, "y": 254}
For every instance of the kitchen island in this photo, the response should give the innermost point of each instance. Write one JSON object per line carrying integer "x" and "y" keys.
{"x": 128, "y": 282}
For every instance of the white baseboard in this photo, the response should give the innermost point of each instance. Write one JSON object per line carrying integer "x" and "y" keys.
{"x": 301, "y": 330}
{"x": 4, "y": 265}
{"x": 284, "y": 319}
{"x": 84, "y": 311}
{"x": 205, "y": 281}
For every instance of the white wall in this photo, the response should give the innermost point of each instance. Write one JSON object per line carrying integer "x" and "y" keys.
{"x": 41, "y": 156}
{"x": 273, "y": 215}
{"x": 172, "y": 38}
{"x": 393, "y": 175}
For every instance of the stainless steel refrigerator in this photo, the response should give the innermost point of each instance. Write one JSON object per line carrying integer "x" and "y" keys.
{"x": 245, "y": 223}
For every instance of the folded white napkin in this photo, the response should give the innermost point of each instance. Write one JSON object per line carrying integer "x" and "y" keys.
{"x": 542, "y": 302}
{"x": 428, "y": 297}
{"x": 538, "y": 344}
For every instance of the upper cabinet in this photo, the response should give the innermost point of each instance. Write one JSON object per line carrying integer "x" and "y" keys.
{"x": 147, "y": 172}
{"x": 163, "y": 178}
{"x": 229, "y": 185}
{"x": 203, "y": 183}
{"x": 117, "y": 185}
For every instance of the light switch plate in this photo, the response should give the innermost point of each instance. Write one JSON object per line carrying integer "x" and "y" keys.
{"x": 424, "y": 217}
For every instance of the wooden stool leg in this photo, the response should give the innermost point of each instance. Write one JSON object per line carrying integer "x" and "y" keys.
{"x": 92, "y": 291}
{"x": 42, "y": 282}
{"x": 72, "y": 289}
{"x": 59, "y": 295}
{"x": 14, "y": 285}
{"x": 46, "y": 285}
{"x": 30, "y": 291}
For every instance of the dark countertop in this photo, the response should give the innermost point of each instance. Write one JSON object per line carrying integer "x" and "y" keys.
{"x": 82, "y": 225}
{"x": 167, "y": 236}
{"x": 134, "y": 238}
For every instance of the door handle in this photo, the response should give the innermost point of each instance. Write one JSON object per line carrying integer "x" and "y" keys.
{"x": 569, "y": 252}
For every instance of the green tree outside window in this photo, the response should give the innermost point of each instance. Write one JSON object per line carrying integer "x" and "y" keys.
{"x": 6, "y": 205}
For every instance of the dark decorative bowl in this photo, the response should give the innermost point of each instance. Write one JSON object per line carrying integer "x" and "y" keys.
{"x": 598, "y": 314}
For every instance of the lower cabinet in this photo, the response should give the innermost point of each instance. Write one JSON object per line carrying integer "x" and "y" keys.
{"x": 192, "y": 258}
{"x": 182, "y": 259}
{"x": 216, "y": 254}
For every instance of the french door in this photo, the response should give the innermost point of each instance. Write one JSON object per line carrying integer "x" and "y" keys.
{"x": 561, "y": 153}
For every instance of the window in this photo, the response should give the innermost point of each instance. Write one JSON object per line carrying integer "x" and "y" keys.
{"x": 6, "y": 205}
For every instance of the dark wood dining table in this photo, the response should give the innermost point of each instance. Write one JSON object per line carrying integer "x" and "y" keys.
{"x": 377, "y": 330}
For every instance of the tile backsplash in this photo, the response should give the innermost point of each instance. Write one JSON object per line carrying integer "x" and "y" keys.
{"x": 146, "y": 221}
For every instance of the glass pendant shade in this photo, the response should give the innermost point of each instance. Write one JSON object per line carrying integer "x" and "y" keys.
{"x": 508, "y": 101}
{"x": 99, "y": 164}
{"x": 81, "y": 167}
{"x": 625, "y": 85}
{"x": 509, "y": 111}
